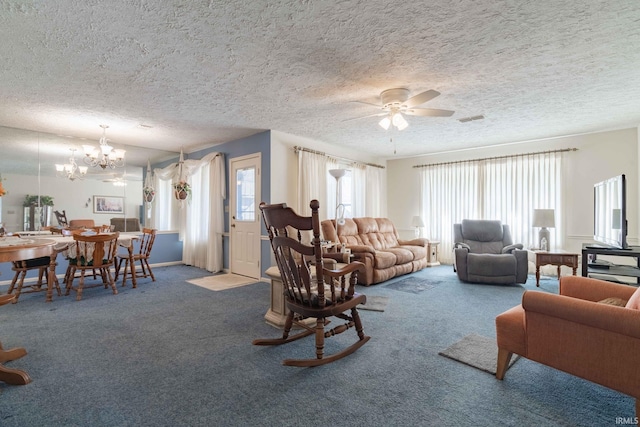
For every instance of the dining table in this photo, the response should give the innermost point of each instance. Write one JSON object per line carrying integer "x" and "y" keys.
{"x": 18, "y": 249}
{"x": 63, "y": 245}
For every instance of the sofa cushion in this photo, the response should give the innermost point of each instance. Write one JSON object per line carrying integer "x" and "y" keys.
{"x": 489, "y": 265}
{"x": 618, "y": 302}
{"x": 483, "y": 231}
{"x": 634, "y": 301}
{"x": 484, "y": 236}
{"x": 384, "y": 259}
{"x": 377, "y": 232}
{"x": 417, "y": 251}
{"x": 388, "y": 232}
{"x": 403, "y": 255}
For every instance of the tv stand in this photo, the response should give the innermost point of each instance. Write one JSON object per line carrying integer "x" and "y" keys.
{"x": 606, "y": 270}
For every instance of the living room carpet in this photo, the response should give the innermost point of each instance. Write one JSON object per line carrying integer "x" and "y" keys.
{"x": 412, "y": 285}
{"x": 220, "y": 282}
{"x": 374, "y": 303}
{"x": 477, "y": 351}
{"x": 169, "y": 353}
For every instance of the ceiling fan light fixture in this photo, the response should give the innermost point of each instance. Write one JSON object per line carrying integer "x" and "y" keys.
{"x": 399, "y": 121}
{"x": 385, "y": 123}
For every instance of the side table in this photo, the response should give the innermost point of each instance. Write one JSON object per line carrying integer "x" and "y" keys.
{"x": 558, "y": 258}
{"x": 432, "y": 253}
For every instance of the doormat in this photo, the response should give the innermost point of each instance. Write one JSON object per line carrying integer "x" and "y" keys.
{"x": 412, "y": 285}
{"x": 220, "y": 282}
{"x": 374, "y": 303}
{"x": 477, "y": 351}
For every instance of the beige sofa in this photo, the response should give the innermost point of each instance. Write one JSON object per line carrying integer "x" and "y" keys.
{"x": 376, "y": 243}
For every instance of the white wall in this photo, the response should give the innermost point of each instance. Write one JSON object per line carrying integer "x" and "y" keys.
{"x": 76, "y": 197}
{"x": 599, "y": 156}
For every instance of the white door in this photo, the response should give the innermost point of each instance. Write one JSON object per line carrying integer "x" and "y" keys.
{"x": 244, "y": 215}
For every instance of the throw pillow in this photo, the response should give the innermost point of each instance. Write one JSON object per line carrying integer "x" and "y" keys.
{"x": 634, "y": 301}
{"x": 619, "y": 302}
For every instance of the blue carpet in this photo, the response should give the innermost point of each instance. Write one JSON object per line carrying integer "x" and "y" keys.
{"x": 172, "y": 354}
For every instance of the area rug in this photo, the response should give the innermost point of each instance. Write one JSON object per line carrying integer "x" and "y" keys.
{"x": 477, "y": 351}
{"x": 412, "y": 285}
{"x": 374, "y": 303}
{"x": 220, "y": 282}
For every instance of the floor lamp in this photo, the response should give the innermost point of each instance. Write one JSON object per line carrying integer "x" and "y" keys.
{"x": 337, "y": 174}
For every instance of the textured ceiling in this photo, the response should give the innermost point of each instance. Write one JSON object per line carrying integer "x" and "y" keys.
{"x": 170, "y": 74}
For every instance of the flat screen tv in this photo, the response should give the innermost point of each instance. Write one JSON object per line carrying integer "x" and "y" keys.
{"x": 610, "y": 212}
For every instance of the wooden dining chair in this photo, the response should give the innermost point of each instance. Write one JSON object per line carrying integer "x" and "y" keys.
{"x": 313, "y": 293}
{"x": 146, "y": 244}
{"x": 22, "y": 267}
{"x": 93, "y": 253}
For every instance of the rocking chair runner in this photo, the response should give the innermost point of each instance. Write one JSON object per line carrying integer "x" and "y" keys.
{"x": 321, "y": 296}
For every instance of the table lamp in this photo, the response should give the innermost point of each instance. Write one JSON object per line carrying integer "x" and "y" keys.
{"x": 418, "y": 223}
{"x": 544, "y": 218}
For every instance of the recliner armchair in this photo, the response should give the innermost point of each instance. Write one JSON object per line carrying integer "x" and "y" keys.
{"x": 484, "y": 252}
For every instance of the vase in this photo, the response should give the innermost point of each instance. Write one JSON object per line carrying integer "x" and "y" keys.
{"x": 149, "y": 197}
{"x": 181, "y": 194}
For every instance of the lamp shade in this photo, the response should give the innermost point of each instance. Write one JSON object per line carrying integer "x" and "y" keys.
{"x": 544, "y": 218}
{"x": 337, "y": 173}
{"x": 417, "y": 221}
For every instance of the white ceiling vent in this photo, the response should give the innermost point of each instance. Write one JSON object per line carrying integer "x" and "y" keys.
{"x": 470, "y": 119}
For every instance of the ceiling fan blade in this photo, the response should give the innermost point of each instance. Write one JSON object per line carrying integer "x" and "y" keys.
{"x": 421, "y": 98}
{"x": 368, "y": 103}
{"x": 429, "y": 112}
{"x": 364, "y": 117}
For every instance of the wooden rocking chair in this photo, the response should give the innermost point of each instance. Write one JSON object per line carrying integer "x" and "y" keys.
{"x": 316, "y": 296}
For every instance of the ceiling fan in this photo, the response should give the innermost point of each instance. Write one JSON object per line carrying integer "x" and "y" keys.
{"x": 396, "y": 102}
{"x": 117, "y": 179}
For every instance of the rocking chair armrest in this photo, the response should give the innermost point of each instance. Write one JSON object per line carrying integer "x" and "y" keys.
{"x": 336, "y": 257}
{"x": 349, "y": 268}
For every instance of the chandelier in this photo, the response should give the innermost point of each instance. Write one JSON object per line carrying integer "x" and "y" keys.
{"x": 104, "y": 155}
{"x": 71, "y": 170}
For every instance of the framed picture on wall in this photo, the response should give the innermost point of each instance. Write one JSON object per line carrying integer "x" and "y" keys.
{"x": 108, "y": 204}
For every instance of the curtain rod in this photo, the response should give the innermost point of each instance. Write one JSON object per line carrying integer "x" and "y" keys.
{"x": 308, "y": 150}
{"x": 496, "y": 158}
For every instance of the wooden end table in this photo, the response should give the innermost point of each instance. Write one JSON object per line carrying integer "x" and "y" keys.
{"x": 558, "y": 258}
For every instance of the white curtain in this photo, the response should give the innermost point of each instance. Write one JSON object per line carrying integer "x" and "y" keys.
{"x": 361, "y": 187}
{"x": 515, "y": 186}
{"x": 372, "y": 185}
{"x": 449, "y": 193}
{"x": 165, "y": 211}
{"x": 204, "y": 224}
{"x": 200, "y": 219}
{"x": 359, "y": 190}
{"x": 312, "y": 182}
{"x": 505, "y": 189}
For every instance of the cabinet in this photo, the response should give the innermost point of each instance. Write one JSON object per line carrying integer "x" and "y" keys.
{"x": 432, "y": 254}
{"x": 592, "y": 266}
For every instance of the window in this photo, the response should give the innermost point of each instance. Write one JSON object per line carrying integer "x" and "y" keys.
{"x": 246, "y": 191}
{"x": 506, "y": 189}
